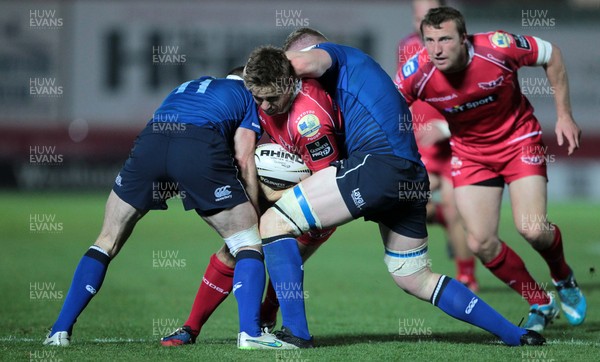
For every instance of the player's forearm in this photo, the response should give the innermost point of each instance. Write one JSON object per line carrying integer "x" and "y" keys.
{"x": 245, "y": 143}
{"x": 251, "y": 182}
{"x": 557, "y": 76}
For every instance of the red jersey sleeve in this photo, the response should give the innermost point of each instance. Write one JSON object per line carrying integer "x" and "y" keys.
{"x": 412, "y": 76}
{"x": 517, "y": 50}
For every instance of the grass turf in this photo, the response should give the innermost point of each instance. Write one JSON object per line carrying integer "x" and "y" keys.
{"x": 355, "y": 311}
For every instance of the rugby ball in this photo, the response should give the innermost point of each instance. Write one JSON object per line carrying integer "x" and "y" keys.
{"x": 278, "y": 168}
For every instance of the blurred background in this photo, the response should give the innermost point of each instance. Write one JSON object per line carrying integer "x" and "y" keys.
{"x": 79, "y": 79}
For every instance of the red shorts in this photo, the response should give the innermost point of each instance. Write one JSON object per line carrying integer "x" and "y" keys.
{"x": 473, "y": 164}
{"x": 437, "y": 159}
{"x": 316, "y": 237}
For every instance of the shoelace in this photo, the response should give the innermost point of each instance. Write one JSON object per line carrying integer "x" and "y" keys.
{"x": 569, "y": 291}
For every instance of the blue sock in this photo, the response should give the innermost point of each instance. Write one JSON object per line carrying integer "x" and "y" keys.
{"x": 284, "y": 264}
{"x": 87, "y": 281}
{"x": 459, "y": 302}
{"x": 248, "y": 287}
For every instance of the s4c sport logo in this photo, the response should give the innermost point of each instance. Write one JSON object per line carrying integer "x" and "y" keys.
{"x": 471, "y": 105}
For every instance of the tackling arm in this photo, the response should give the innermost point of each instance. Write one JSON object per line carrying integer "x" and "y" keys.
{"x": 309, "y": 64}
{"x": 565, "y": 125}
{"x": 244, "y": 144}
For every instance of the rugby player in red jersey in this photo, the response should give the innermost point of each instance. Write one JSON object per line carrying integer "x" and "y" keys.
{"x": 303, "y": 119}
{"x": 432, "y": 135}
{"x": 496, "y": 140}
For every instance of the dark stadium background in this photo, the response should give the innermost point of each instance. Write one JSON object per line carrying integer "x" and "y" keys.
{"x": 81, "y": 78}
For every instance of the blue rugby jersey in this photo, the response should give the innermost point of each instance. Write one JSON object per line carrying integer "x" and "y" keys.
{"x": 224, "y": 104}
{"x": 376, "y": 117}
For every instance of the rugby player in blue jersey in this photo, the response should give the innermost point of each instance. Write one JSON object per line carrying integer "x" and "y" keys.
{"x": 382, "y": 179}
{"x": 198, "y": 145}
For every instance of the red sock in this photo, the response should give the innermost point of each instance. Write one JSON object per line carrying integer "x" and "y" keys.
{"x": 555, "y": 257}
{"x": 217, "y": 283}
{"x": 270, "y": 306}
{"x": 438, "y": 217}
{"x": 465, "y": 267}
{"x": 509, "y": 268}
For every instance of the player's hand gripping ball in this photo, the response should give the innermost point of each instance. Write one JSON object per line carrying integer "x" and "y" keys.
{"x": 278, "y": 168}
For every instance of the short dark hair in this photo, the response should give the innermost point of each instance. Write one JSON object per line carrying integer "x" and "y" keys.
{"x": 436, "y": 16}
{"x": 301, "y": 34}
{"x": 268, "y": 67}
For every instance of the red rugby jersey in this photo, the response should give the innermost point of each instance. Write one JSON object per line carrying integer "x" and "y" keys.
{"x": 483, "y": 103}
{"x": 312, "y": 128}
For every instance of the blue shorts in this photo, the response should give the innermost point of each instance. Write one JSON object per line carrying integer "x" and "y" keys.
{"x": 385, "y": 189}
{"x": 180, "y": 160}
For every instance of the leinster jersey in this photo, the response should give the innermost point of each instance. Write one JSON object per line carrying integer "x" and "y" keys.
{"x": 222, "y": 104}
{"x": 376, "y": 117}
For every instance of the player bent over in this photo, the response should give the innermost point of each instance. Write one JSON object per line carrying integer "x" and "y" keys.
{"x": 382, "y": 179}
{"x": 284, "y": 114}
{"x": 496, "y": 139}
{"x": 190, "y": 155}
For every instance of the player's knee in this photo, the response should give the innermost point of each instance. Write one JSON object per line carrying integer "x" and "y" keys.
{"x": 486, "y": 248}
{"x": 245, "y": 239}
{"x": 533, "y": 232}
{"x": 272, "y": 224}
{"x": 406, "y": 263}
{"x": 292, "y": 214}
{"x": 225, "y": 257}
{"x": 416, "y": 284}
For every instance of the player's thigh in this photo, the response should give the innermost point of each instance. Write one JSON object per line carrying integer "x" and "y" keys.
{"x": 119, "y": 220}
{"x": 479, "y": 208}
{"x": 434, "y": 181}
{"x": 322, "y": 191}
{"x": 448, "y": 201}
{"x": 313, "y": 204}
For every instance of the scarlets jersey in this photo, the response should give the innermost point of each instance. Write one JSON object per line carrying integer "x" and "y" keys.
{"x": 376, "y": 117}
{"x": 482, "y": 103}
{"x": 224, "y": 104}
{"x": 312, "y": 128}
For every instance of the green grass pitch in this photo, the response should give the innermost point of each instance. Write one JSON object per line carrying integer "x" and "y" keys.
{"x": 355, "y": 311}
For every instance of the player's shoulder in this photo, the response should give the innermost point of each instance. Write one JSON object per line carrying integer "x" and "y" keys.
{"x": 310, "y": 85}
{"x": 311, "y": 89}
{"x": 341, "y": 52}
{"x": 416, "y": 67}
{"x": 411, "y": 40}
{"x": 312, "y": 96}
